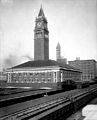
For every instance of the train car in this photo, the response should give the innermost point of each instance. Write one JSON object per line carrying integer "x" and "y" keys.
{"x": 67, "y": 85}
{"x": 82, "y": 84}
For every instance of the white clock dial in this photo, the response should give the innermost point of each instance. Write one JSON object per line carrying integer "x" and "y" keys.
{"x": 39, "y": 24}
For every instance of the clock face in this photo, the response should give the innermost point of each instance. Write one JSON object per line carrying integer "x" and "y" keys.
{"x": 39, "y": 24}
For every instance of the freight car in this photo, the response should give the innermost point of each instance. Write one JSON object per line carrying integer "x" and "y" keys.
{"x": 70, "y": 85}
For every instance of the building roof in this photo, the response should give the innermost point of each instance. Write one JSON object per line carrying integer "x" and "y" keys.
{"x": 89, "y": 60}
{"x": 44, "y": 63}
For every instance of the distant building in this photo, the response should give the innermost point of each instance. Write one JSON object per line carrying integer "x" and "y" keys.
{"x": 3, "y": 77}
{"x": 62, "y": 60}
{"x": 58, "y": 52}
{"x": 87, "y": 67}
{"x": 77, "y": 58}
{"x": 96, "y": 69}
{"x": 59, "y": 58}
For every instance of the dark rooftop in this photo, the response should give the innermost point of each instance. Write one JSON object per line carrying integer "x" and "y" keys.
{"x": 43, "y": 63}
{"x": 88, "y": 60}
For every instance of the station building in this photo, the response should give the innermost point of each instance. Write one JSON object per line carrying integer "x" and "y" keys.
{"x": 42, "y": 72}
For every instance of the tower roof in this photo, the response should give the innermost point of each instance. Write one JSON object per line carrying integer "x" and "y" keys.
{"x": 58, "y": 46}
{"x": 41, "y": 13}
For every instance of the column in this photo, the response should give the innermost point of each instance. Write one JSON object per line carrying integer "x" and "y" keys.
{"x": 61, "y": 76}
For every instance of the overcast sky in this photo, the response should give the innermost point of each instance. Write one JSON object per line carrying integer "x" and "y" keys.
{"x": 72, "y": 23}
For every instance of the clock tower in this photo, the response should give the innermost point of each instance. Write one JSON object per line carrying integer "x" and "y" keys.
{"x": 41, "y": 37}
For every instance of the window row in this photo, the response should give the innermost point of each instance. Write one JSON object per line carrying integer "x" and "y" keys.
{"x": 31, "y": 74}
{"x": 32, "y": 80}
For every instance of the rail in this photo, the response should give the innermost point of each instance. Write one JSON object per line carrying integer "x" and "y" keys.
{"x": 40, "y": 108}
{"x": 36, "y": 109}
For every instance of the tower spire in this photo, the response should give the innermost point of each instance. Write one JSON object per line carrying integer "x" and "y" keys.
{"x": 58, "y": 51}
{"x": 41, "y": 5}
{"x": 41, "y": 13}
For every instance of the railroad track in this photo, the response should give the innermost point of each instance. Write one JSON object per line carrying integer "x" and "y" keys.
{"x": 35, "y": 110}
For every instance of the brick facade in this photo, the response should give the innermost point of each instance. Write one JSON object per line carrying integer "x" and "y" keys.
{"x": 87, "y": 67}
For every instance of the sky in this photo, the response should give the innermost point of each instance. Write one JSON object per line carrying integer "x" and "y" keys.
{"x": 72, "y": 23}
